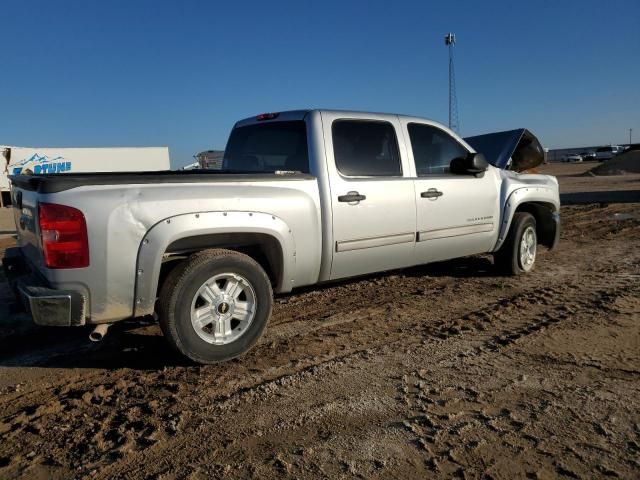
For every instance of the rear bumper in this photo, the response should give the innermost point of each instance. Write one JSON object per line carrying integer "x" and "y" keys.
{"x": 47, "y": 306}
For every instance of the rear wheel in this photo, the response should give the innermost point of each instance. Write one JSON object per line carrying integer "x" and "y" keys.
{"x": 215, "y": 305}
{"x": 518, "y": 252}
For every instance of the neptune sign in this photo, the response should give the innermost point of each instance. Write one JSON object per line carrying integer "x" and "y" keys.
{"x": 39, "y": 164}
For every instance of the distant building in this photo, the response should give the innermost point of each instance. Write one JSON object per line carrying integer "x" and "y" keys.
{"x": 211, "y": 159}
{"x": 557, "y": 154}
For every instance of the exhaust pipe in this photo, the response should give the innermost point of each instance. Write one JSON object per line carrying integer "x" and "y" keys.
{"x": 99, "y": 332}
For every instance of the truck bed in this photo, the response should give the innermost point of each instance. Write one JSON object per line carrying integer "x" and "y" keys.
{"x": 52, "y": 183}
{"x": 121, "y": 209}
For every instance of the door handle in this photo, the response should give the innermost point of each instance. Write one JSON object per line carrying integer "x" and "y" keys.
{"x": 432, "y": 193}
{"x": 352, "y": 197}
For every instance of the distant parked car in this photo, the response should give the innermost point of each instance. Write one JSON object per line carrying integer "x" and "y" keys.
{"x": 586, "y": 156}
{"x": 605, "y": 153}
{"x": 572, "y": 157}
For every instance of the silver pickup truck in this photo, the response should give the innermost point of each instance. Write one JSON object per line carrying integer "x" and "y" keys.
{"x": 303, "y": 197}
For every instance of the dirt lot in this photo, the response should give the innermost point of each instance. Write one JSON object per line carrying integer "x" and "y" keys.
{"x": 572, "y": 178}
{"x": 438, "y": 371}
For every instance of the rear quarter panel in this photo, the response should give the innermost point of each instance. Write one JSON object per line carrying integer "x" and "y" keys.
{"x": 119, "y": 216}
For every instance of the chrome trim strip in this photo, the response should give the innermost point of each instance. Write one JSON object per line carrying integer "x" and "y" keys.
{"x": 454, "y": 231}
{"x": 360, "y": 243}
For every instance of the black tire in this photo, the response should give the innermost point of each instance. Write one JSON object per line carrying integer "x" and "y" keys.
{"x": 182, "y": 284}
{"x": 508, "y": 259}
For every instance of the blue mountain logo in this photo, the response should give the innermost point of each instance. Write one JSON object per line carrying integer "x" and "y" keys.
{"x": 35, "y": 158}
{"x": 42, "y": 164}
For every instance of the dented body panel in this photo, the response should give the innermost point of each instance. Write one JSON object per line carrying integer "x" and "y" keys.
{"x": 516, "y": 150}
{"x": 143, "y": 218}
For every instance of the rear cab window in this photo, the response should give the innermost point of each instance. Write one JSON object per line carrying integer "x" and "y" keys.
{"x": 366, "y": 148}
{"x": 268, "y": 147}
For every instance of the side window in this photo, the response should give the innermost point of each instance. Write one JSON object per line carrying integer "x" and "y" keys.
{"x": 365, "y": 148}
{"x": 433, "y": 149}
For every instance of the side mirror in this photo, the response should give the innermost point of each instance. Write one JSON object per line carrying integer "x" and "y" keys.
{"x": 472, "y": 164}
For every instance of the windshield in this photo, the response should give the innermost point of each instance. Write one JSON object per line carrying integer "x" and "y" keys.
{"x": 267, "y": 147}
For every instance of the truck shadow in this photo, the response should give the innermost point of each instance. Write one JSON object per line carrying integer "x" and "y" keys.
{"x": 139, "y": 345}
{"x": 466, "y": 267}
{"x": 136, "y": 344}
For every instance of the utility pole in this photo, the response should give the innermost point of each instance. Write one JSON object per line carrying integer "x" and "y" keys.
{"x": 454, "y": 124}
{"x": 630, "y": 130}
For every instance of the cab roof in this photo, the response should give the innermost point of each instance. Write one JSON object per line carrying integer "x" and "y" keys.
{"x": 292, "y": 115}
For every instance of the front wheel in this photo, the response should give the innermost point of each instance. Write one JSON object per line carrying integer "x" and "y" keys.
{"x": 215, "y": 305}
{"x": 518, "y": 252}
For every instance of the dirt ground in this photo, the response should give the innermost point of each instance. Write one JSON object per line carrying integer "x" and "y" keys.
{"x": 572, "y": 178}
{"x": 627, "y": 162}
{"x": 447, "y": 370}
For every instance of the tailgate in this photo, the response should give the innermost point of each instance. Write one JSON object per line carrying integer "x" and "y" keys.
{"x": 25, "y": 214}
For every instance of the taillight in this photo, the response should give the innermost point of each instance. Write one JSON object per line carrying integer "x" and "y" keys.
{"x": 63, "y": 231}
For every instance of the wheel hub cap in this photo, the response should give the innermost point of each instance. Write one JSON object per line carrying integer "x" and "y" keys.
{"x": 223, "y": 308}
{"x": 528, "y": 245}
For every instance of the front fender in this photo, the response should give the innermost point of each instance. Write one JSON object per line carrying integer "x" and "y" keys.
{"x": 164, "y": 233}
{"x": 532, "y": 194}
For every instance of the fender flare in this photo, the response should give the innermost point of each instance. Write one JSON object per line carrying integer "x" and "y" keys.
{"x": 518, "y": 197}
{"x": 158, "y": 238}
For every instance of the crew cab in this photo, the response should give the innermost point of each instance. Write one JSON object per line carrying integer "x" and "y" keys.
{"x": 304, "y": 197}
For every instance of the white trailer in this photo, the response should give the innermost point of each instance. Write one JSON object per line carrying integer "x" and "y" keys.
{"x": 42, "y": 160}
{"x": 4, "y": 167}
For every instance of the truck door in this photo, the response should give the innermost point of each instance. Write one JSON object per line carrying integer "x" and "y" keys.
{"x": 372, "y": 196}
{"x": 457, "y": 215}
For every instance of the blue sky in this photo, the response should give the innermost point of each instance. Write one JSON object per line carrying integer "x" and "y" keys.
{"x": 143, "y": 72}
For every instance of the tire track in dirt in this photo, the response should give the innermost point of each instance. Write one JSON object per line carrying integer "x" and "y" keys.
{"x": 451, "y": 424}
{"x": 479, "y": 320}
{"x": 534, "y": 302}
{"x": 590, "y": 302}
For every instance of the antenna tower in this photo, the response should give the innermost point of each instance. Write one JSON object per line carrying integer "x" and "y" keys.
{"x": 454, "y": 122}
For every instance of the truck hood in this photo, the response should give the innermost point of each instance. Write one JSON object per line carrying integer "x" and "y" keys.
{"x": 516, "y": 150}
